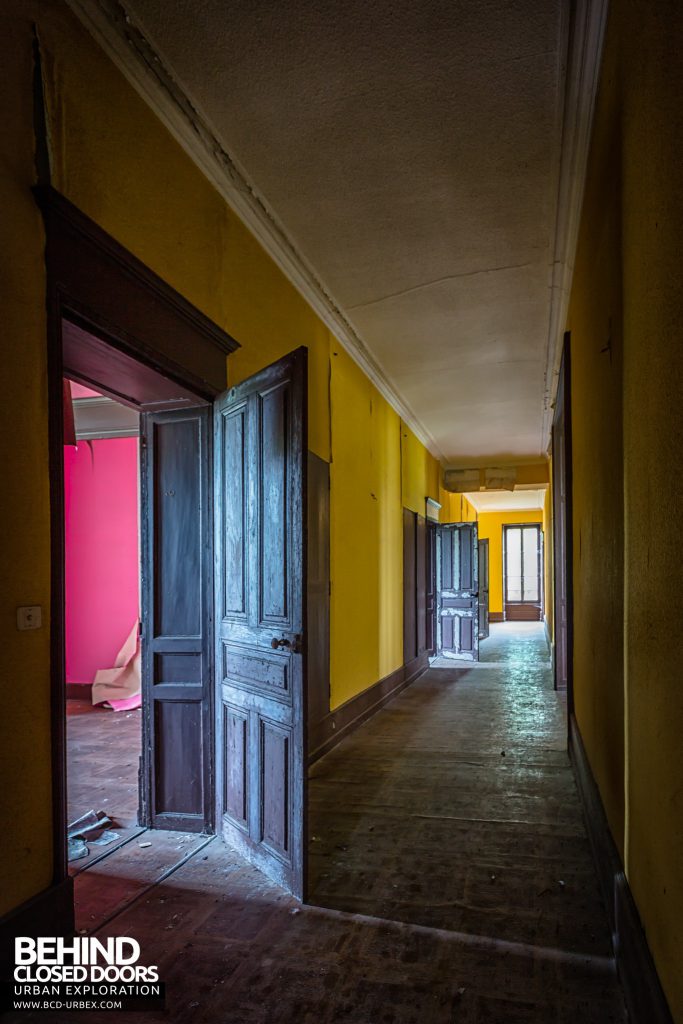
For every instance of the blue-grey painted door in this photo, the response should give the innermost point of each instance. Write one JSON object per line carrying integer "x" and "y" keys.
{"x": 177, "y": 603}
{"x": 457, "y": 591}
{"x": 260, "y": 445}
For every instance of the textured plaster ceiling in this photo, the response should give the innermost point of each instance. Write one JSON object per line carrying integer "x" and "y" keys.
{"x": 410, "y": 150}
{"x": 507, "y": 501}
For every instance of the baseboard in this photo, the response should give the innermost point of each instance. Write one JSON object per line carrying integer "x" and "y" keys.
{"x": 522, "y": 612}
{"x": 496, "y": 617}
{"x": 603, "y": 847}
{"x": 645, "y": 999}
{"x": 79, "y": 691}
{"x": 341, "y": 722}
{"x": 51, "y": 912}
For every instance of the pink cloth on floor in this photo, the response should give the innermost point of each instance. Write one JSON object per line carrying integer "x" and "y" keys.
{"x": 120, "y": 687}
{"x": 128, "y": 704}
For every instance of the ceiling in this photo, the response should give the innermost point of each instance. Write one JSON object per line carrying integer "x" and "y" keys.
{"x": 411, "y": 153}
{"x": 526, "y": 500}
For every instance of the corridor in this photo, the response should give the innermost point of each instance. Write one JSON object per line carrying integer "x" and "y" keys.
{"x": 451, "y": 877}
{"x": 455, "y": 807}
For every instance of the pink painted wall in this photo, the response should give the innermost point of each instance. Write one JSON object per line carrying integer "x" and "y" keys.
{"x": 102, "y": 562}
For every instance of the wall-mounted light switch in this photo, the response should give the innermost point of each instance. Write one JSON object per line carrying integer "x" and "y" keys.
{"x": 30, "y": 617}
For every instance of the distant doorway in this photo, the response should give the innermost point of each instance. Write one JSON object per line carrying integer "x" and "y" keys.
{"x": 523, "y": 573}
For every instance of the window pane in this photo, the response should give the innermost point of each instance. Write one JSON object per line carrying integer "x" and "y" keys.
{"x": 530, "y": 566}
{"x": 513, "y": 548}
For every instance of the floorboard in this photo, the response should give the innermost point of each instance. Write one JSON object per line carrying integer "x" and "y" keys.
{"x": 442, "y": 831}
{"x": 456, "y": 807}
{"x": 103, "y": 752}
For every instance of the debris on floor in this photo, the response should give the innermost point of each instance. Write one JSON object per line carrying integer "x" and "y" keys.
{"x": 92, "y": 827}
{"x": 77, "y": 849}
{"x": 106, "y": 838}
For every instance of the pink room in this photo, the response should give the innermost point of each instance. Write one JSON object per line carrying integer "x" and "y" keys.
{"x": 102, "y": 619}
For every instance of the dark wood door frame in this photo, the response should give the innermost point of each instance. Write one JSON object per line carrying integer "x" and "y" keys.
{"x": 484, "y": 597}
{"x": 563, "y": 547}
{"x": 97, "y": 284}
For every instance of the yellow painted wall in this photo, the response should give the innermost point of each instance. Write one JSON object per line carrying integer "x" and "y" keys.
{"x": 598, "y": 514}
{"x": 490, "y": 526}
{"x": 115, "y": 161}
{"x": 366, "y": 533}
{"x": 420, "y": 472}
{"x": 627, "y": 380}
{"x": 455, "y": 508}
{"x": 25, "y": 801}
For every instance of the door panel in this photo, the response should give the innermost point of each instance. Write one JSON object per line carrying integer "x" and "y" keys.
{"x": 260, "y": 480}
{"x": 176, "y": 620}
{"x": 421, "y": 582}
{"x": 457, "y": 591}
{"x": 409, "y": 588}
{"x": 483, "y": 554}
{"x": 563, "y": 529}
{"x": 430, "y": 601}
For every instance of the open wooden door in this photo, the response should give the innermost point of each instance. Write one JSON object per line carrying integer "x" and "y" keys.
{"x": 483, "y": 588}
{"x": 457, "y": 591}
{"x": 563, "y": 530}
{"x": 260, "y": 444}
{"x": 431, "y": 589}
{"x": 176, "y": 562}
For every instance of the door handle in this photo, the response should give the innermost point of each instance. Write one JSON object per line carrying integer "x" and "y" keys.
{"x": 294, "y": 646}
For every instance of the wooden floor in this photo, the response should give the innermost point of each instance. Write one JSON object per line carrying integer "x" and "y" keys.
{"x": 103, "y": 752}
{"x": 444, "y": 829}
{"x": 456, "y": 807}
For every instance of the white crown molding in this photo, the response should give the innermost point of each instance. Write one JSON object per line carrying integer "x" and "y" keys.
{"x": 125, "y": 44}
{"x": 584, "y": 55}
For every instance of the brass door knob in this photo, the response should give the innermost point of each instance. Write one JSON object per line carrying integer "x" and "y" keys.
{"x": 275, "y": 643}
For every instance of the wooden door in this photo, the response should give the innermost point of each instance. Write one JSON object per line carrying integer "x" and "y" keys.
{"x": 176, "y": 592}
{"x": 483, "y": 588}
{"x": 562, "y": 529}
{"x": 430, "y": 569}
{"x": 260, "y": 445}
{"x": 457, "y": 591}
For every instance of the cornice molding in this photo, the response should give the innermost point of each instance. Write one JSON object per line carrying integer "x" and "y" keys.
{"x": 126, "y": 45}
{"x": 587, "y": 22}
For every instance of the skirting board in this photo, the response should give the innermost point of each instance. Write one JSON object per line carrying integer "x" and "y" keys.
{"x": 645, "y": 999}
{"x": 339, "y": 723}
{"x": 496, "y": 617}
{"x": 51, "y": 912}
{"x": 79, "y": 691}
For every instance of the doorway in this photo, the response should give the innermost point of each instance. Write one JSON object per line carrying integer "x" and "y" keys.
{"x": 102, "y": 613}
{"x": 222, "y": 644}
{"x": 523, "y": 572}
{"x": 138, "y": 605}
{"x": 116, "y": 328}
